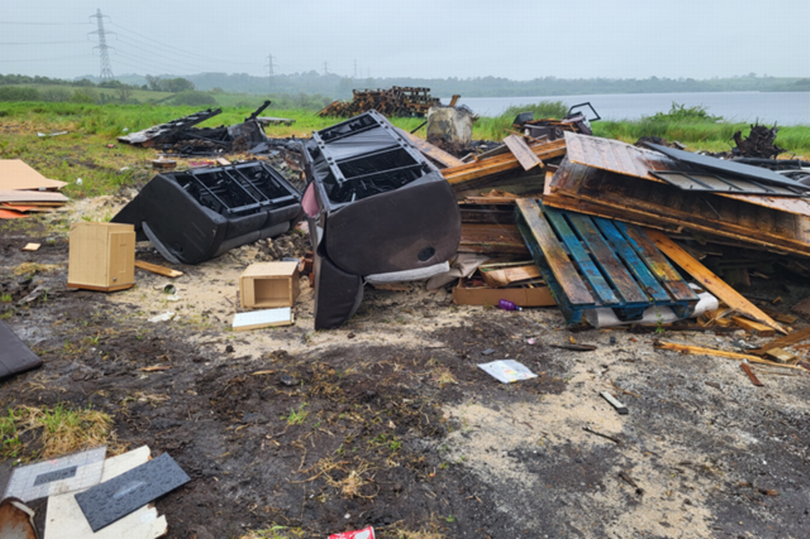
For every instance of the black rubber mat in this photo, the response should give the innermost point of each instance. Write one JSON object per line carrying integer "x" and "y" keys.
{"x": 15, "y": 356}
{"x": 105, "y": 503}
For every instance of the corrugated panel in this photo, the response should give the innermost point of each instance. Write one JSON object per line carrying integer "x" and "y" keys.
{"x": 713, "y": 183}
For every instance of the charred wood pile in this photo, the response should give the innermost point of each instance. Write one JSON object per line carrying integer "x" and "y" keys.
{"x": 759, "y": 143}
{"x": 395, "y": 101}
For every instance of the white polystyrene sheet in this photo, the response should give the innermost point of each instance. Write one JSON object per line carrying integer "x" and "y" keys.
{"x": 57, "y": 476}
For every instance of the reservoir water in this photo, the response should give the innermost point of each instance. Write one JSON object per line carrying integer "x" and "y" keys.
{"x": 768, "y": 108}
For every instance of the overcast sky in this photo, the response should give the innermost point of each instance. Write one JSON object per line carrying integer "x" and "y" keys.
{"x": 516, "y": 39}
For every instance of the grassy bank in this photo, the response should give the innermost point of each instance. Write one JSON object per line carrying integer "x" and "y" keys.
{"x": 85, "y": 151}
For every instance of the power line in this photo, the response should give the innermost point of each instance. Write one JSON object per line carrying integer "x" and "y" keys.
{"x": 172, "y": 60}
{"x": 16, "y": 61}
{"x": 45, "y": 23}
{"x": 42, "y": 43}
{"x": 150, "y": 43}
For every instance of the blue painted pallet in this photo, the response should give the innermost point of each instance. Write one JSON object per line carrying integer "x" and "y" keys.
{"x": 590, "y": 263}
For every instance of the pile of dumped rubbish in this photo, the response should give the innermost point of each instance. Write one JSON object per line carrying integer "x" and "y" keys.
{"x": 611, "y": 233}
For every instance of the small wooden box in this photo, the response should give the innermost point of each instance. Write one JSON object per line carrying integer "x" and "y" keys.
{"x": 102, "y": 256}
{"x": 269, "y": 284}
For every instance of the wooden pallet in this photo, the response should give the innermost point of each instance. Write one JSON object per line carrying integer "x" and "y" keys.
{"x": 590, "y": 263}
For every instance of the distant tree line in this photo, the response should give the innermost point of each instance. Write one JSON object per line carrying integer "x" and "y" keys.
{"x": 341, "y": 87}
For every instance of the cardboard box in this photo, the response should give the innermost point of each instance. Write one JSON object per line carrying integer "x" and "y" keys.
{"x": 539, "y": 296}
{"x": 101, "y": 256}
{"x": 269, "y": 285}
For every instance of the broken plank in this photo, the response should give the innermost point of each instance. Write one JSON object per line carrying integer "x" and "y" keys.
{"x": 789, "y": 339}
{"x": 160, "y": 270}
{"x": 712, "y": 282}
{"x": 491, "y": 238}
{"x": 505, "y": 276}
{"x": 433, "y": 152}
{"x": 780, "y": 355}
{"x": 500, "y": 163}
{"x": 522, "y": 152}
{"x": 701, "y": 351}
{"x": 753, "y": 327}
{"x": 753, "y": 377}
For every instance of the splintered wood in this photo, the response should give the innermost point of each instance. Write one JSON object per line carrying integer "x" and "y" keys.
{"x": 712, "y": 282}
{"x": 500, "y": 163}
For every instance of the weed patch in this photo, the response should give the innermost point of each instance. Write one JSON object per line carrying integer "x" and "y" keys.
{"x": 53, "y": 432}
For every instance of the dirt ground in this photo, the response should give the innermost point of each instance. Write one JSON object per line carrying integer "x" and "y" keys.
{"x": 389, "y": 422}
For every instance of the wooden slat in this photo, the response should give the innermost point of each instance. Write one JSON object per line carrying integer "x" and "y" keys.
{"x": 677, "y": 288}
{"x": 160, "y": 270}
{"x": 522, "y": 152}
{"x": 753, "y": 327}
{"x": 491, "y": 238}
{"x": 505, "y": 276}
{"x": 712, "y": 282}
{"x": 583, "y": 260}
{"x": 429, "y": 150}
{"x": 632, "y": 260}
{"x": 781, "y": 342}
{"x": 563, "y": 269}
{"x": 499, "y": 163}
{"x": 699, "y": 350}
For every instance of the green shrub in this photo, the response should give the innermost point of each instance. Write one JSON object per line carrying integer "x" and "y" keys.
{"x": 18, "y": 93}
{"x": 85, "y": 96}
{"x": 55, "y": 95}
{"x": 679, "y": 113}
{"x": 194, "y": 98}
{"x": 541, "y": 110}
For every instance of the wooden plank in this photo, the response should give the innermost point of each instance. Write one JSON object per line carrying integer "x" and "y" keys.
{"x": 500, "y": 163}
{"x": 433, "y": 152}
{"x": 522, "y": 152}
{"x": 780, "y": 355}
{"x": 491, "y": 238}
{"x": 505, "y": 276}
{"x": 788, "y": 340}
{"x": 611, "y": 266}
{"x": 712, "y": 282}
{"x": 753, "y": 327}
{"x": 160, "y": 270}
{"x": 559, "y": 264}
{"x": 699, "y": 350}
{"x": 583, "y": 260}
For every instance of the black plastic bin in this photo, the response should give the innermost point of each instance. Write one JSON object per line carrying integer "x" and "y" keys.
{"x": 198, "y": 214}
